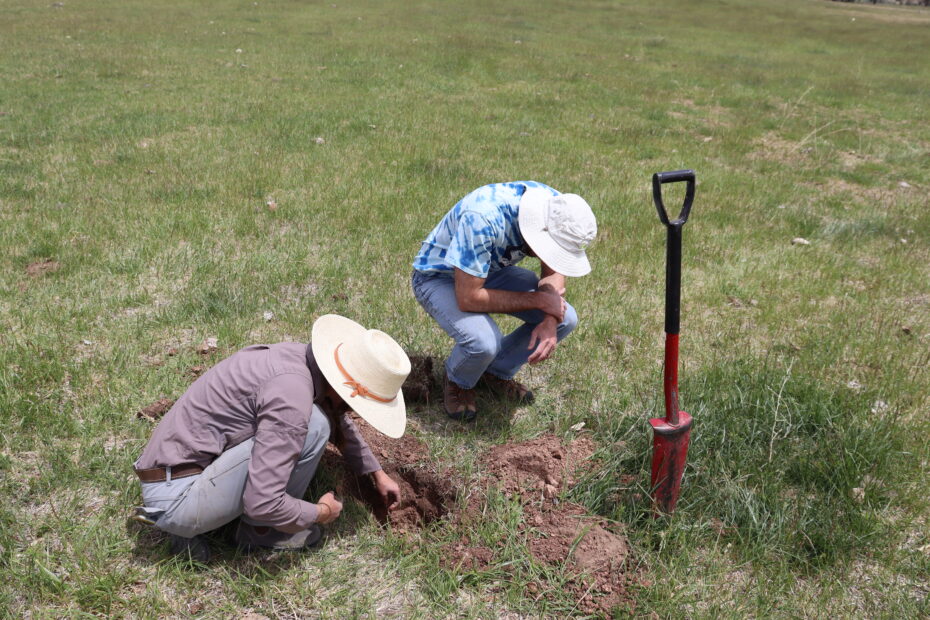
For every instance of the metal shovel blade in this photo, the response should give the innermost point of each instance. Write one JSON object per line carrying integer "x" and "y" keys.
{"x": 669, "y": 452}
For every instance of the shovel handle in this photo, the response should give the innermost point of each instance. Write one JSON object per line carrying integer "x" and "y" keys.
{"x": 661, "y": 178}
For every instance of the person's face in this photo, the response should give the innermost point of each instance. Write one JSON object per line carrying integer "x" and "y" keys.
{"x": 333, "y": 403}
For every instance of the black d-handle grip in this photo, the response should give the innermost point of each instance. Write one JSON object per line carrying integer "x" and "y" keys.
{"x": 659, "y": 179}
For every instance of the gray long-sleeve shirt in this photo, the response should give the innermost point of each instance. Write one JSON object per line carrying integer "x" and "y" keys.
{"x": 266, "y": 392}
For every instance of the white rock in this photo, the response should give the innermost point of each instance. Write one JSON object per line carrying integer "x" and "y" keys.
{"x": 319, "y": 140}
{"x": 800, "y": 241}
{"x": 267, "y": 315}
{"x": 577, "y": 427}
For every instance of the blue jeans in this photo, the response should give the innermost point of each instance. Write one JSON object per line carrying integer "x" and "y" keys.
{"x": 197, "y": 504}
{"x": 479, "y": 345}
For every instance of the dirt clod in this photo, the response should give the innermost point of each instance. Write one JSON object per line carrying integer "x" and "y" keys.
{"x": 42, "y": 267}
{"x": 156, "y": 410}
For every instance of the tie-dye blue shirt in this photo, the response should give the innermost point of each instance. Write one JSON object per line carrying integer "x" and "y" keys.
{"x": 480, "y": 234}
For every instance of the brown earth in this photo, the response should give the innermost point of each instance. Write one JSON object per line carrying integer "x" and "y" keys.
{"x": 592, "y": 552}
{"x": 426, "y": 495}
{"x": 421, "y": 383}
{"x": 156, "y": 410}
{"x": 41, "y": 267}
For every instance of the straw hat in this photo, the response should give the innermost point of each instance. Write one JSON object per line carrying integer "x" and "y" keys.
{"x": 366, "y": 367}
{"x": 558, "y": 229}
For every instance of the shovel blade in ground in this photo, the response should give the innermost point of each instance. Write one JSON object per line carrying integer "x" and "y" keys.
{"x": 669, "y": 453}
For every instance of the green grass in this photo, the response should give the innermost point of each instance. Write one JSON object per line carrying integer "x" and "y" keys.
{"x": 140, "y": 142}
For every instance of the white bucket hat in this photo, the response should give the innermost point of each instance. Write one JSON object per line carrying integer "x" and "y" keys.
{"x": 558, "y": 229}
{"x": 366, "y": 367}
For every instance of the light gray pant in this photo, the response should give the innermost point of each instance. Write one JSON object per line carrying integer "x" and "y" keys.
{"x": 197, "y": 504}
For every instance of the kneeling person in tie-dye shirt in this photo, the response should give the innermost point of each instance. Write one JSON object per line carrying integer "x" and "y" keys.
{"x": 467, "y": 269}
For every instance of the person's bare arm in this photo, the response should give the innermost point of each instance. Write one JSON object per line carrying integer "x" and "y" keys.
{"x": 551, "y": 280}
{"x": 544, "y": 339}
{"x": 472, "y": 296}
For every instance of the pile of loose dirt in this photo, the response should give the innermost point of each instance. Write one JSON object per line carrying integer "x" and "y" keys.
{"x": 559, "y": 534}
{"x": 587, "y": 547}
{"x": 540, "y": 467}
{"x": 592, "y": 552}
{"x": 426, "y": 495}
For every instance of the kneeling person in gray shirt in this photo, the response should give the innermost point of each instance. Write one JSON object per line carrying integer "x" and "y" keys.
{"x": 246, "y": 438}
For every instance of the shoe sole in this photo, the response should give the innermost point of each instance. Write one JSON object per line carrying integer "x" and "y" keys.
{"x": 466, "y": 416}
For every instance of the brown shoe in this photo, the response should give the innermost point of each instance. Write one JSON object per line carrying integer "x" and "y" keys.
{"x": 459, "y": 403}
{"x": 510, "y": 388}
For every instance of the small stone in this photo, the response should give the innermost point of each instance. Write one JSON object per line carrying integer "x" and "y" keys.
{"x": 319, "y": 140}
{"x": 800, "y": 241}
{"x": 577, "y": 427}
{"x": 267, "y": 315}
{"x": 879, "y": 406}
{"x": 904, "y": 185}
{"x": 854, "y": 385}
{"x": 238, "y": 51}
{"x": 207, "y": 346}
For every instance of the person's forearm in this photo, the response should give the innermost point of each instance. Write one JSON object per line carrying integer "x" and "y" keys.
{"x": 551, "y": 280}
{"x": 497, "y": 300}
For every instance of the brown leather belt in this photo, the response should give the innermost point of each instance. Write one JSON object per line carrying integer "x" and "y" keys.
{"x": 159, "y": 474}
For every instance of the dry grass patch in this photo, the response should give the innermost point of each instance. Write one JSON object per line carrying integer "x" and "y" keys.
{"x": 886, "y": 14}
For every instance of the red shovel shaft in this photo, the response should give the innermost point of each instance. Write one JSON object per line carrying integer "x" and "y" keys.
{"x": 672, "y": 433}
{"x": 671, "y": 436}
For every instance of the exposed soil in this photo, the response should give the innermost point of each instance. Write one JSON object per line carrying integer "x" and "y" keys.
{"x": 426, "y": 495}
{"x": 421, "y": 383}
{"x": 539, "y": 468}
{"x": 588, "y": 548}
{"x": 41, "y": 267}
{"x": 156, "y": 410}
{"x": 592, "y": 552}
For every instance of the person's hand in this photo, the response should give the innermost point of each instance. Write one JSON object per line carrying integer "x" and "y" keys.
{"x": 328, "y": 508}
{"x": 552, "y": 304}
{"x": 388, "y": 489}
{"x": 544, "y": 340}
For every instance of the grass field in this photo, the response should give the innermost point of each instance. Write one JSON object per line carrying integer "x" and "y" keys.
{"x": 142, "y": 142}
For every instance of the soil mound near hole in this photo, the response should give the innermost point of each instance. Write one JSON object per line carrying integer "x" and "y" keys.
{"x": 539, "y": 467}
{"x": 587, "y": 549}
{"x": 426, "y": 495}
{"x": 592, "y": 552}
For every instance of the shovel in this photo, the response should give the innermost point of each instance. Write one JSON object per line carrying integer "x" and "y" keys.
{"x": 671, "y": 433}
